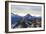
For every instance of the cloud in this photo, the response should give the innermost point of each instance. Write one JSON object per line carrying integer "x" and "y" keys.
{"x": 24, "y": 7}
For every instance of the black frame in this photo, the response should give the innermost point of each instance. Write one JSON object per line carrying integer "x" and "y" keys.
{"x": 7, "y": 16}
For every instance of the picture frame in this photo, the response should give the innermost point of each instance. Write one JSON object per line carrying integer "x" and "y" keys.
{"x": 13, "y": 8}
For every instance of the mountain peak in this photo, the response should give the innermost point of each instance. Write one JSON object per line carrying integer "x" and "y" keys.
{"x": 28, "y": 15}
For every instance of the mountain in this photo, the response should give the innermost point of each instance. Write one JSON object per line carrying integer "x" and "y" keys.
{"x": 28, "y": 16}
{"x": 23, "y": 21}
{"x": 15, "y": 18}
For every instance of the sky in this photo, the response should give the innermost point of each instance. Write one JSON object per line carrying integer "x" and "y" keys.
{"x": 22, "y": 10}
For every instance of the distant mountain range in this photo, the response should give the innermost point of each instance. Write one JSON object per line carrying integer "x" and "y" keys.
{"x": 16, "y": 18}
